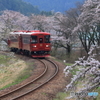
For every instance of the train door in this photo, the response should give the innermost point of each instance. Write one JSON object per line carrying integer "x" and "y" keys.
{"x": 20, "y": 41}
{"x": 41, "y": 41}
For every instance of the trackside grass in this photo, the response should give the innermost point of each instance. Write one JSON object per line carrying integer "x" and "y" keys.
{"x": 13, "y": 71}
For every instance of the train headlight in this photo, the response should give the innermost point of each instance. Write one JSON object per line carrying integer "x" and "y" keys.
{"x": 47, "y": 46}
{"x": 34, "y": 46}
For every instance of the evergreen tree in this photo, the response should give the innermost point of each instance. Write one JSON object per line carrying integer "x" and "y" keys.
{"x": 18, "y": 5}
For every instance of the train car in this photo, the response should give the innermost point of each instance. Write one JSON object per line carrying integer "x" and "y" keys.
{"x": 33, "y": 43}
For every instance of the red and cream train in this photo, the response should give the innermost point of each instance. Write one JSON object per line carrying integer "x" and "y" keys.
{"x": 34, "y": 43}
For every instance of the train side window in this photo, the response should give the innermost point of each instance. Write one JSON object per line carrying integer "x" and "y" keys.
{"x": 14, "y": 38}
{"x": 47, "y": 39}
{"x": 33, "y": 39}
{"x": 26, "y": 40}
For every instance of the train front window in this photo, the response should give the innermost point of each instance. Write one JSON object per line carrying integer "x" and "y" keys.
{"x": 41, "y": 40}
{"x": 47, "y": 39}
{"x": 33, "y": 39}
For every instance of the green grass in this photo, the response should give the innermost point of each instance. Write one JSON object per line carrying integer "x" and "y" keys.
{"x": 98, "y": 90}
{"x": 61, "y": 96}
{"x": 7, "y": 71}
{"x": 24, "y": 75}
{"x": 68, "y": 64}
{"x": 2, "y": 59}
{"x": 18, "y": 80}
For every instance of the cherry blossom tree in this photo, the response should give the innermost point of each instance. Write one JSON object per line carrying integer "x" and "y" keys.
{"x": 86, "y": 69}
{"x": 11, "y": 20}
{"x": 64, "y": 24}
{"x": 88, "y": 27}
{"x": 88, "y": 73}
{"x": 39, "y": 22}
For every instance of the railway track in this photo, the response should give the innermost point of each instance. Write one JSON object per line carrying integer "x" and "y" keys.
{"x": 50, "y": 71}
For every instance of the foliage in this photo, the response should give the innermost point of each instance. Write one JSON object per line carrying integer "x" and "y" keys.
{"x": 18, "y": 5}
{"x": 47, "y": 13}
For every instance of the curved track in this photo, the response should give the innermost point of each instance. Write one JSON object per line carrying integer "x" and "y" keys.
{"x": 50, "y": 71}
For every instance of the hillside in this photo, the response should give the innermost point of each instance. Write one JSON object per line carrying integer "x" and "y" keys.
{"x": 55, "y": 5}
{"x": 27, "y": 7}
{"x": 18, "y": 5}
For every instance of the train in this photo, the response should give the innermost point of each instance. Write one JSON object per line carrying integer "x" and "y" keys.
{"x": 32, "y": 43}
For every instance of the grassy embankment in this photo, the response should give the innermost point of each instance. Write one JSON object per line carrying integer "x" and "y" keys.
{"x": 13, "y": 71}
